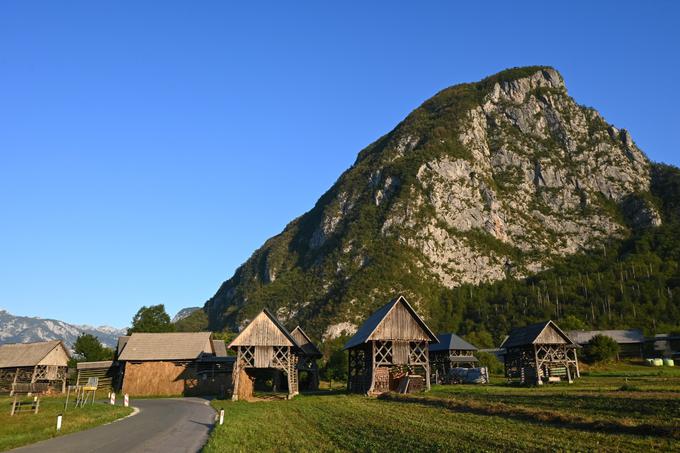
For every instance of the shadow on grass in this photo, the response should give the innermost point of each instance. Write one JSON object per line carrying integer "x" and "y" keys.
{"x": 282, "y": 396}
{"x": 539, "y": 416}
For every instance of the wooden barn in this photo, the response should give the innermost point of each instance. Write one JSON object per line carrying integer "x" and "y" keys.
{"x": 631, "y": 342}
{"x": 44, "y": 365}
{"x": 106, "y": 372}
{"x": 540, "y": 352}
{"x": 451, "y": 352}
{"x": 390, "y": 351}
{"x": 264, "y": 344}
{"x": 171, "y": 364}
{"x": 307, "y": 358}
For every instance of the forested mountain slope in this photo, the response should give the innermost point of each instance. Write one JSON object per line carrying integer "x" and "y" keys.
{"x": 486, "y": 182}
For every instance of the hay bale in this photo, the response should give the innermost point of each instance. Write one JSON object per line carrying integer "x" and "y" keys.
{"x": 159, "y": 378}
{"x": 245, "y": 385}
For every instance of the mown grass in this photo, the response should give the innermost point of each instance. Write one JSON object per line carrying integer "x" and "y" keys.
{"x": 590, "y": 415}
{"x": 26, "y": 428}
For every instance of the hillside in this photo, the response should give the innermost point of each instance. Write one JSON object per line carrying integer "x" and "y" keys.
{"x": 488, "y": 181}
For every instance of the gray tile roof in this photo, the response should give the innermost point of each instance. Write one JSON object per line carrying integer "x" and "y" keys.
{"x": 220, "y": 348}
{"x": 94, "y": 365}
{"x": 27, "y": 354}
{"x": 122, "y": 341}
{"x": 448, "y": 341}
{"x": 620, "y": 336}
{"x": 528, "y": 335}
{"x": 166, "y": 346}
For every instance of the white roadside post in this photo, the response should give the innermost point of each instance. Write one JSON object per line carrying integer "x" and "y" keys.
{"x": 126, "y": 400}
{"x": 112, "y": 400}
{"x": 59, "y": 422}
{"x": 221, "y": 416}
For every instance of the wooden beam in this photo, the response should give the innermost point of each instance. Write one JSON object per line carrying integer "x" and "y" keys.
{"x": 538, "y": 374}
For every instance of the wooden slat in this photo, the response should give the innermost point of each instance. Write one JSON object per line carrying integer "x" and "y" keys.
{"x": 399, "y": 324}
{"x": 261, "y": 332}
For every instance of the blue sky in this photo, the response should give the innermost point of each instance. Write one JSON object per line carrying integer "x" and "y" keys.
{"x": 148, "y": 148}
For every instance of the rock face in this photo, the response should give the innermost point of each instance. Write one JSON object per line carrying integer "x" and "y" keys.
{"x": 483, "y": 181}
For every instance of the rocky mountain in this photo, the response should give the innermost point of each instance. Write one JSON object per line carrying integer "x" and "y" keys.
{"x": 184, "y": 313}
{"x": 485, "y": 181}
{"x": 24, "y": 329}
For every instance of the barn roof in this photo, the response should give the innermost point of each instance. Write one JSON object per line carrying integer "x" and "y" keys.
{"x": 374, "y": 321}
{"x": 541, "y": 332}
{"x": 122, "y": 341}
{"x": 451, "y": 341}
{"x": 308, "y": 347}
{"x": 27, "y": 354}
{"x": 264, "y": 330}
{"x": 94, "y": 365}
{"x": 166, "y": 346}
{"x": 620, "y": 336}
{"x": 220, "y": 348}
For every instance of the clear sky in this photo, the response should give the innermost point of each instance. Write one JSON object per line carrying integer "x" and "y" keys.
{"x": 148, "y": 148}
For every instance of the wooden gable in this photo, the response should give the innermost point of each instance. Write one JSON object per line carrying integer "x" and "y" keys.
{"x": 551, "y": 334}
{"x": 262, "y": 331}
{"x": 308, "y": 347}
{"x": 56, "y": 357}
{"x": 399, "y": 324}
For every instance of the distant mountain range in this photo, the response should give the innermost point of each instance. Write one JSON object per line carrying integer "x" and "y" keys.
{"x": 183, "y": 313}
{"x": 25, "y": 329}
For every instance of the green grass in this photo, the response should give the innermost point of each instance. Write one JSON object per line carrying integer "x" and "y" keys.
{"x": 592, "y": 414}
{"x": 26, "y": 428}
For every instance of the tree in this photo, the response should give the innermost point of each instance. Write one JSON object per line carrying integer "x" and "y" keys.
{"x": 480, "y": 338}
{"x": 336, "y": 362}
{"x": 490, "y": 361}
{"x": 151, "y": 319}
{"x": 601, "y": 348}
{"x": 337, "y": 366}
{"x": 571, "y": 322}
{"x": 88, "y": 348}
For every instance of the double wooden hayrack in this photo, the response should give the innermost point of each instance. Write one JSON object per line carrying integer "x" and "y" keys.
{"x": 389, "y": 350}
{"x": 266, "y": 344}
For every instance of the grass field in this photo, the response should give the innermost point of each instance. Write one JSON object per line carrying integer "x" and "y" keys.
{"x": 626, "y": 408}
{"x": 26, "y": 428}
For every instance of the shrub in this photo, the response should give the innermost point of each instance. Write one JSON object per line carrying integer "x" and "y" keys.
{"x": 490, "y": 361}
{"x": 601, "y": 348}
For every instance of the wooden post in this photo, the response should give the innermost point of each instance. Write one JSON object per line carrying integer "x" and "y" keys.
{"x": 538, "y": 374}
{"x": 567, "y": 364}
{"x": 427, "y": 367}
{"x": 372, "y": 368}
{"x": 349, "y": 369}
{"x": 16, "y": 375}
{"x": 236, "y": 371}
{"x": 578, "y": 372}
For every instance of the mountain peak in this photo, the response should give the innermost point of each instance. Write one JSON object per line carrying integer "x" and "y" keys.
{"x": 547, "y": 74}
{"x": 484, "y": 180}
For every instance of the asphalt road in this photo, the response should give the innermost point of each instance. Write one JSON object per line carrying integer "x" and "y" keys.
{"x": 162, "y": 425}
